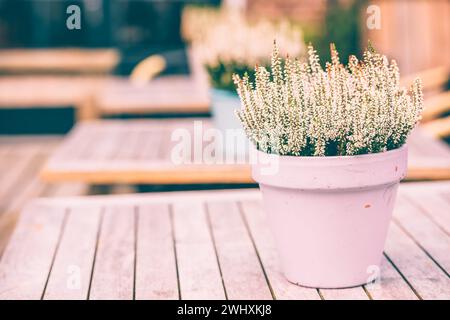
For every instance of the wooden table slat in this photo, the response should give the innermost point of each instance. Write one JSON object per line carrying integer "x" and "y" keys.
{"x": 391, "y": 285}
{"x": 71, "y": 272}
{"x": 26, "y": 262}
{"x": 263, "y": 240}
{"x": 357, "y": 293}
{"x": 429, "y": 281}
{"x": 58, "y": 60}
{"x": 156, "y": 270}
{"x": 422, "y": 229}
{"x": 436, "y": 207}
{"x": 16, "y": 165}
{"x": 113, "y": 274}
{"x": 199, "y": 273}
{"x": 242, "y": 273}
{"x": 150, "y": 144}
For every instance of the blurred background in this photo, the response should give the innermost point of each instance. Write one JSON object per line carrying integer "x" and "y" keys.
{"x": 114, "y": 36}
{"x": 65, "y": 62}
{"x": 74, "y": 76}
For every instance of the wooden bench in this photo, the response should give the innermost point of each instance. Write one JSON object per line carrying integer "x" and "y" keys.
{"x": 53, "y": 78}
{"x": 166, "y": 95}
{"x": 139, "y": 151}
{"x": 435, "y": 116}
{"x": 204, "y": 245}
{"x": 93, "y": 96}
{"x": 436, "y": 106}
{"x": 73, "y": 61}
{"x": 49, "y": 91}
{"x": 433, "y": 79}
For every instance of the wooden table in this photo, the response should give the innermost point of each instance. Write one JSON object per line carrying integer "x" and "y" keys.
{"x": 96, "y": 96}
{"x": 139, "y": 151}
{"x": 54, "y": 78}
{"x": 165, "y": 95}
{"x": 204, "y": 245}
{"x": 135, "y": 151}
{"x": 169, "y": 94}
{"x": 50, "y": 91}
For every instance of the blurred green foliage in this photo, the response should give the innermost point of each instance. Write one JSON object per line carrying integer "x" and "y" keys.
{"x": 342, "y": 26}
{"x": 221, "y": 75}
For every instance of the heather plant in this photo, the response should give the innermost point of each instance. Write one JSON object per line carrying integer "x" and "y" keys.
{"x": 195, "y": 21}
{"x": 233, "y": 44}
{"x": 300, "y": 109}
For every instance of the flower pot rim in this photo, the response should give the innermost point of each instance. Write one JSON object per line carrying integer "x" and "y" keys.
{"x": 330, "y": 173}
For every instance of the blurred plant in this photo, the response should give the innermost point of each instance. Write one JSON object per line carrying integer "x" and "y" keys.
{"x": 195, "y": 21}
{"x": 229, "y": 43}
{"x": 301, "y": 109}
{"x": 342, "y": 26}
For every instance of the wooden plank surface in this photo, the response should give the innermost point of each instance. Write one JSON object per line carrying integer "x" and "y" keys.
{"x": 20, "y": 162}
{"x": 391, "y": 285}
{"x": 46, "y": 91}
{"x": 140, "y": 151}
{"x": 96, "y": 95}
{"x": 71, "y": 271}
{"x": 199, "y": 274}
{"x": 434, "y": 241}
{"x": 156, "y": 269}
{"x": 262, "y": 239}
{"x": 210, "y": 245}
{"x": 99, "y": 95}
{"x": 21, "y": 159}
{"x": 24, "y": 272}
{"x": 58, "y": 60}
{"x": 357, "y": 293}
{"x": 113, "y": 267}
{"x": 242, "y": 273}
{"x": 168, "y": 94}
{"x": 436, "y": 207}
{"x": 422, "y": 273}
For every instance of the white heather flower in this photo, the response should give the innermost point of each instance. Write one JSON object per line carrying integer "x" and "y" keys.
{"x": 230, "y": 37}
{"x": 301, "y": 109}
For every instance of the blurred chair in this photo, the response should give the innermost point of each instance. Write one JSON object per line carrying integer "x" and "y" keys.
{"x": 46, "y": 90}
{"x": 439, "y": 128}
{"x": 434, "y": 80}
{"x": 435, "y": 118}
{"x": 145, "y": 94}
{"x": 147, "y": 69}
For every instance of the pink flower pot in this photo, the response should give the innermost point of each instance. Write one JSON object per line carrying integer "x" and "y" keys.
{"x": 330, "y": 215}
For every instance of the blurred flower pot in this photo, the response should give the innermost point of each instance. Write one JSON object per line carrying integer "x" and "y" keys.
{"x": 223, "y": 105}
{"x": 330, "y": 215}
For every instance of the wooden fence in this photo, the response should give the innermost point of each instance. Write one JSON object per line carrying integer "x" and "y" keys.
{"x": 414, "y": 32}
